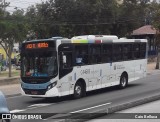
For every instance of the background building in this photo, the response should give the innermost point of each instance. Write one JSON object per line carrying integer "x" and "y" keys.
{"x": 14, "y": 56}
{"x": 149, "y": 1}
{"x": 149, "y": 33}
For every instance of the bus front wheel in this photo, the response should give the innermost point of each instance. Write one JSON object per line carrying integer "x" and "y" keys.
{"x": 123, "y": 81}
{"x": 78, "y": 90}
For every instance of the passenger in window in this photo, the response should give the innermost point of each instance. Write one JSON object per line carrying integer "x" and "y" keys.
{"x": 41, "y": 65}
{"x": 28, "y": 71}
{"x": 79, "y": 60}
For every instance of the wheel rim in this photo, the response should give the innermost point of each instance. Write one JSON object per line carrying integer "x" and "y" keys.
{"x": 123, "y": 81}
{"x": 78, "y": 90}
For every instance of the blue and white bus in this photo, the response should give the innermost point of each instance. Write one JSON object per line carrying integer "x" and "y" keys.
{"x": 59, "y": 67}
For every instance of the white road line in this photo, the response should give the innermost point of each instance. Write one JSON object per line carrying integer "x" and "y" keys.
{"x": 90, "y": 108}
{"x": 38, "y": 105}
{"x": 16, "y": 111}
{"x": 34, "y": 106}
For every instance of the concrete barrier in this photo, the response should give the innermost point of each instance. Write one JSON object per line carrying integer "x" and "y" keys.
{"x": 12, "y": 80}
{"x": 81, "y": 117}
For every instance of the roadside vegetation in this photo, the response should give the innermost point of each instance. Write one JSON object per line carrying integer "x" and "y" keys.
{"x": 69, "y": 18}
{"x": 4, "y": 74}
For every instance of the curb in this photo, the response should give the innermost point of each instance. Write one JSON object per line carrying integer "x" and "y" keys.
{"x": 12, "y": 95}
{"x": 95, "y": 114}
{"x": 12, "y": 80}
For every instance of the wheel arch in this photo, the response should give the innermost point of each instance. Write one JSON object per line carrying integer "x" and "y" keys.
{"x": 125, "y": 74}
{"x": 83, "y": 88}
{"x": 82, "y": 81}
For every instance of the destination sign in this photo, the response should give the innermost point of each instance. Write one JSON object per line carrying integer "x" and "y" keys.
{"x": 37, "y": 45}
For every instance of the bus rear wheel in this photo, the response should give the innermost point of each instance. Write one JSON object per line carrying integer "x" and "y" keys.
{"x": 79, "y": 90}
{"x": 123, "y": 81}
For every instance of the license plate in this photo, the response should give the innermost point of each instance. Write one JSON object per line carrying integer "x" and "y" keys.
{"x": 34, "y": 92}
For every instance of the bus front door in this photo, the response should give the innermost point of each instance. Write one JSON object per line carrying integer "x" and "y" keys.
{"x": 65, "y": 68}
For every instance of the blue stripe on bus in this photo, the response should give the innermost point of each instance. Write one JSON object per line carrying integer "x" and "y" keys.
{"x": 35, "y": 86}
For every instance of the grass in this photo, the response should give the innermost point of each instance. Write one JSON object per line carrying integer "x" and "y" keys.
{"x": 14, "y": 73}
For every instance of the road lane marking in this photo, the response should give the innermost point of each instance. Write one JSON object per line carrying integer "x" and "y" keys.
{"x": 34, "y": 106}
{"x": 90, "y": 108}
{"x": 17, "y": 111}
{"x": 38, "y": 105}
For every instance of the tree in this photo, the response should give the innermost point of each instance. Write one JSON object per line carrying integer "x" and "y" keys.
{"x": 12, "y": 30}
{"x": 72, "y": 17}
{"x": 131, "y": 15}
{"x": 7, "y": 40}
{"x": 156, "y": 23}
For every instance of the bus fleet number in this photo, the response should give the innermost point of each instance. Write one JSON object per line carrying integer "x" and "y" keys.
{"x": 85, "y": 71}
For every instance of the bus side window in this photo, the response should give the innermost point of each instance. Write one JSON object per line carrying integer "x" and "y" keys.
{"x": 95, "y": 54}
{"x": 117, "y": 52}
{"x": 136, "y": 51}
{"x": 142, "y": 50}
{"x": 127, "y": 52}
{"x": 107, "y": 53}
{"x": 81, "y": 55}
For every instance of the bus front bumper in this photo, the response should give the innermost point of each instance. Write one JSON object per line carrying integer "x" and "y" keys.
{"x": 40, "y": 93}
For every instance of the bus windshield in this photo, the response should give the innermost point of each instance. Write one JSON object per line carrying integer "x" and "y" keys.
{"x": 39, "y": 64}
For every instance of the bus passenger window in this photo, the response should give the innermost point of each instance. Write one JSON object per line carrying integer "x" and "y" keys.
{"x": 117, "y": 52}
{"x": 81, "y": 55}
{"x": 136, "y": 51}
{"x": 127, "y": 52}
{"x": 142, "y": 50}
{"x": 95, "y": 54}
{"x": 79, "y": 60}
{"x": 107, "y": 53}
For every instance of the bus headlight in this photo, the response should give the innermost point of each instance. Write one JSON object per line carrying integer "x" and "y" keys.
{"x": 52, "y": 85}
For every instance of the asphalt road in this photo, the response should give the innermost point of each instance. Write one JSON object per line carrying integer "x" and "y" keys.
{"x": 148, "y": 112}
{"x": 95, "y": 100}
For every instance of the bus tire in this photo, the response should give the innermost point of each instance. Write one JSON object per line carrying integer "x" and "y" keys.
{"x": 79, "y": 90}
{"x": 123, "y": 81}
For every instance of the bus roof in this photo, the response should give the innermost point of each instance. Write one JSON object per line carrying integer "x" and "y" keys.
{"x": 102, "y": 39}
{"x": 93, "y": 38}
{"x": 90, "y": 39}
{"x": 129, "y": 40}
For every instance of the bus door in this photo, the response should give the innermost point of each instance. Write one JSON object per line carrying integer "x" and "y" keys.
{"x": 65, "y": 67}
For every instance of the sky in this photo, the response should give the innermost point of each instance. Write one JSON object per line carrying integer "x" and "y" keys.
{"x": 21, "y": 4}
